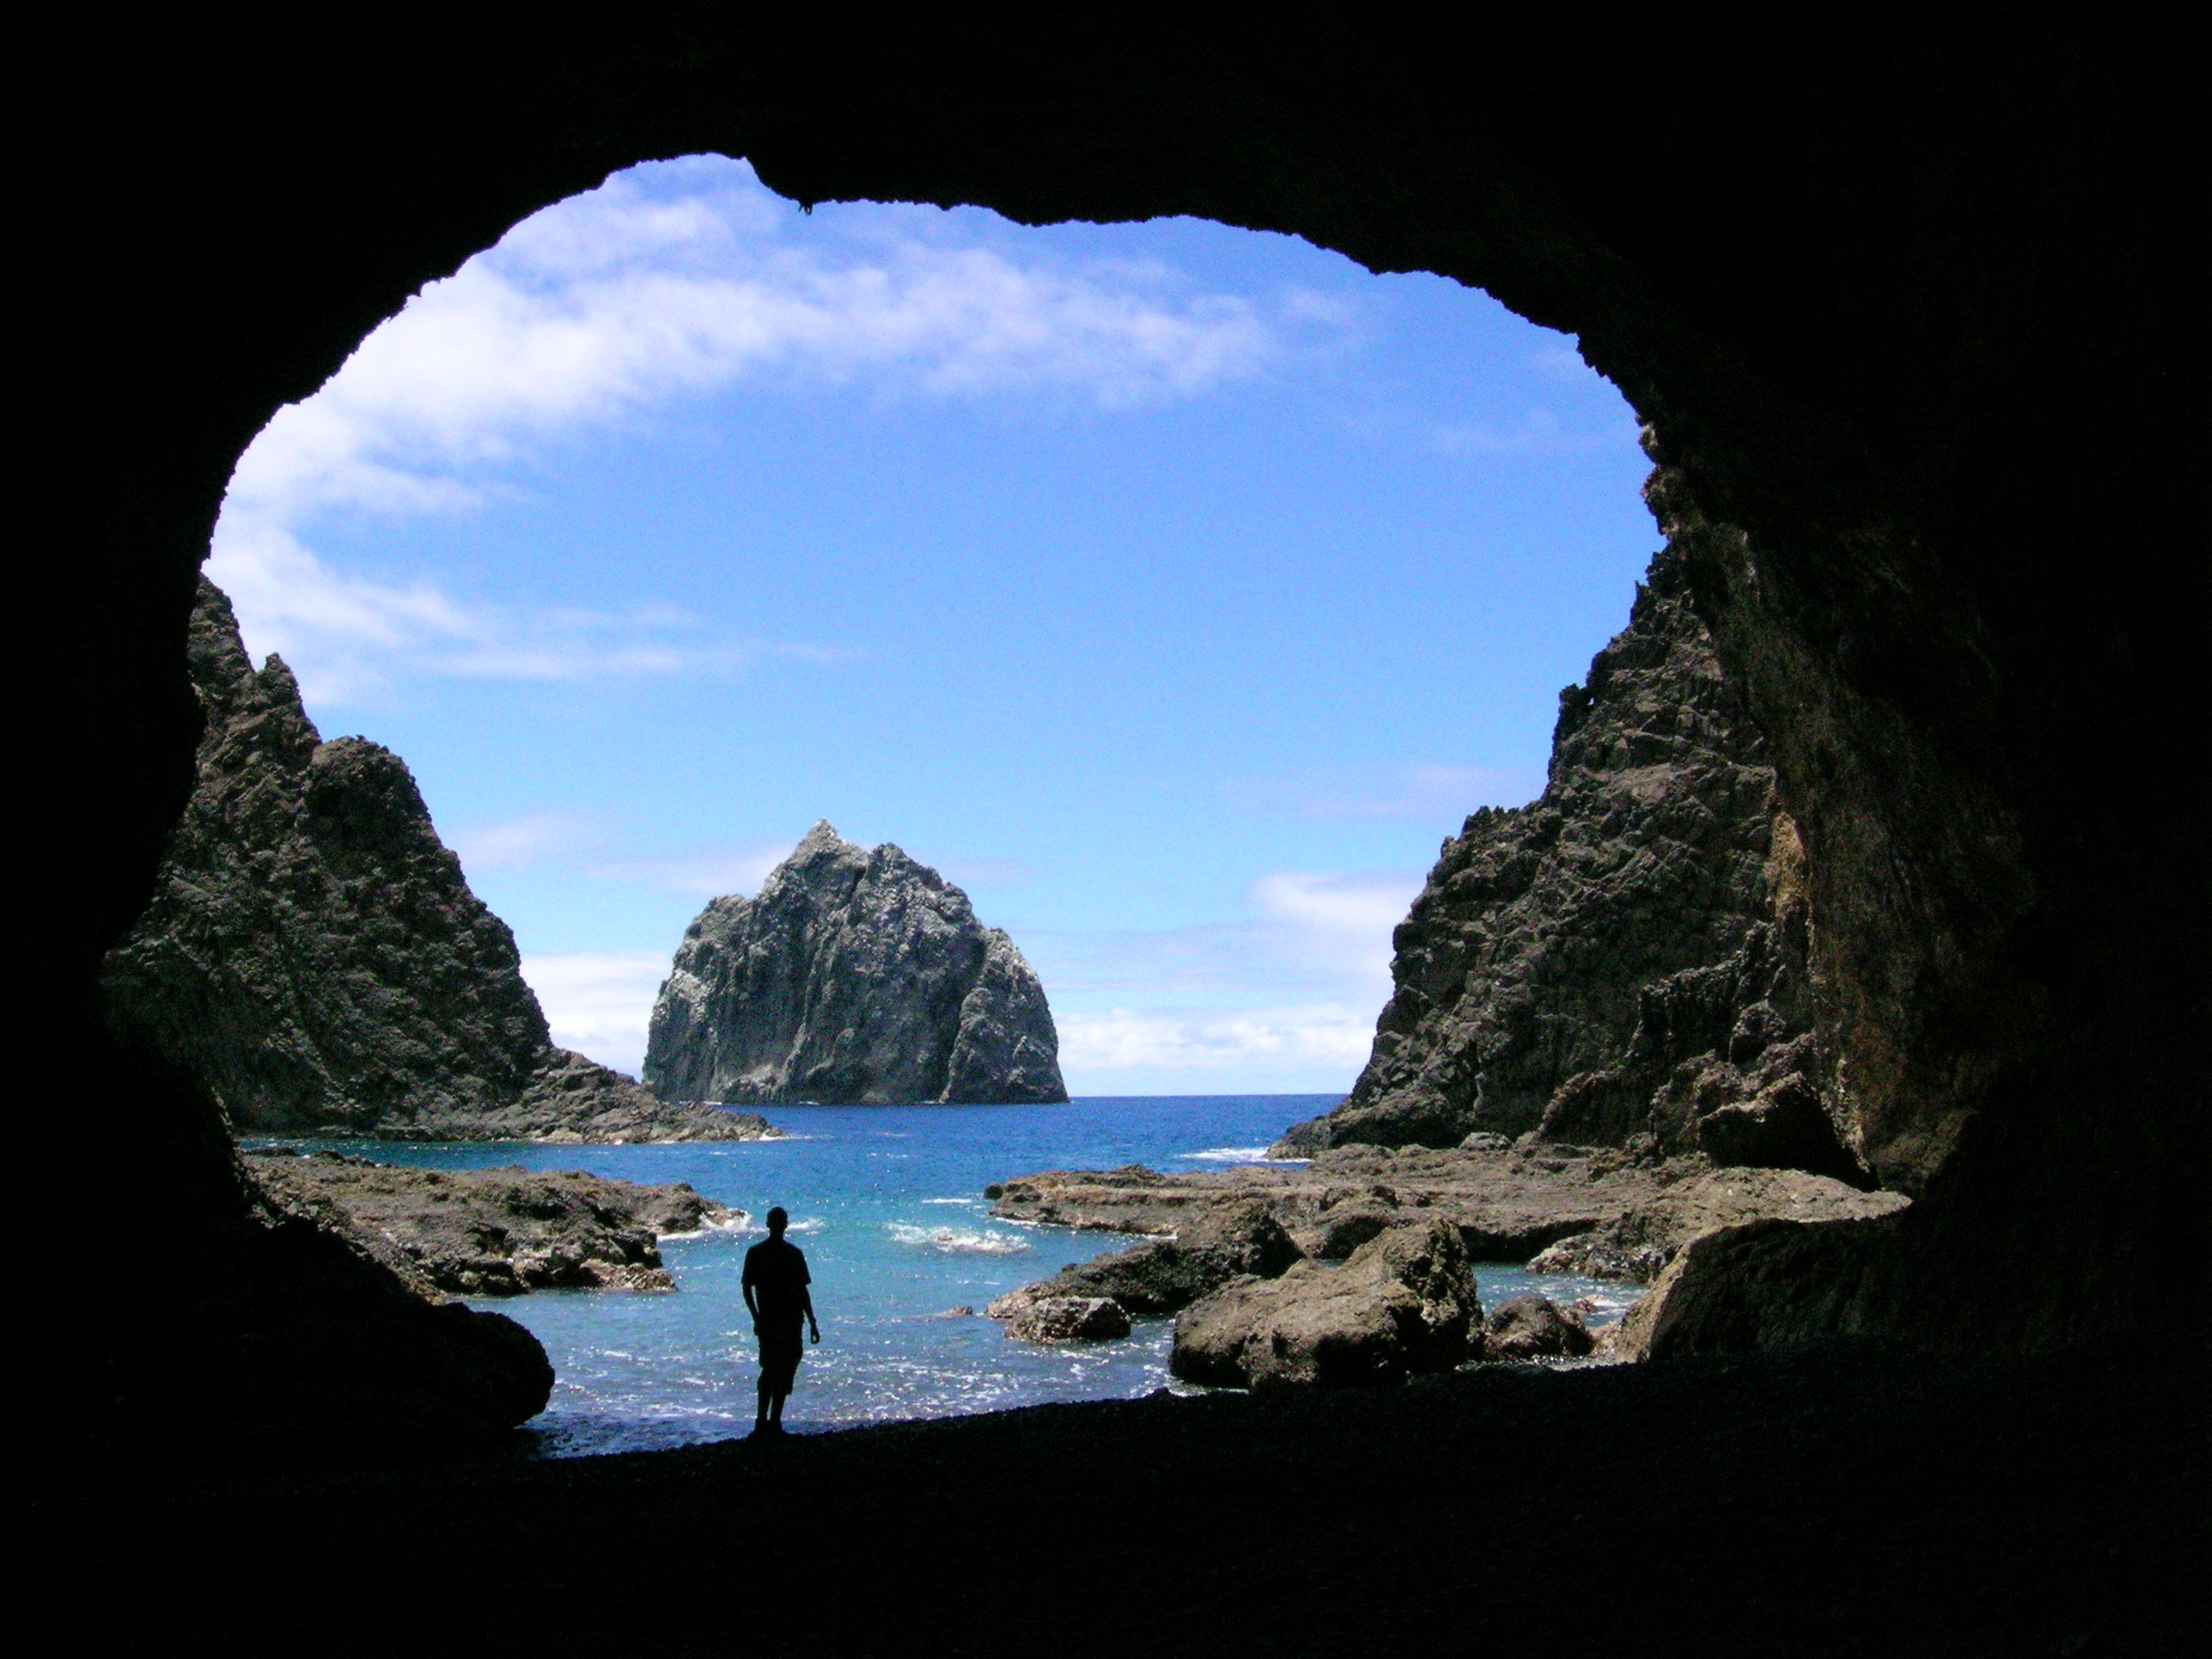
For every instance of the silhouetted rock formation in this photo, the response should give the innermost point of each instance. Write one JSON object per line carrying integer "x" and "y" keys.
{"x": 315, "y": 953}
{"x": 495, "y": 1232}
{"x": 1567, "y": 957}
{"x": 856, "y": 976}
{"x": 1402, "y": 1305}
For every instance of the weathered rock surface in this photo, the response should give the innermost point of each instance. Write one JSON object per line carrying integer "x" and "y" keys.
{"x": 1769, "y": 1282}
{"x": 1638, "y": 1244}
{"x": 1066, "y": 1319}
{"x": 1623, "y": 959}
{"x": 1227, "y": 1242}
{"x": 1526, "y": 1327}
{"x": 1403, "y": 1304}
{"x": 1506, "y": 1205}
{"x": 855, "y": 976}
{"x": 494, "y": 1232}
{"x": 314, "y": 953}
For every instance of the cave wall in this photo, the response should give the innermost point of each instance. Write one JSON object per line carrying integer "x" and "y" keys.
{"x": 1906, "y": 309}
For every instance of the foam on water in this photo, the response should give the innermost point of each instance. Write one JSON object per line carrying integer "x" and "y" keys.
{"x": 739, "y": 1222}
{"x": 1237, "y": 1155}
{"x": 950, "y": 1239}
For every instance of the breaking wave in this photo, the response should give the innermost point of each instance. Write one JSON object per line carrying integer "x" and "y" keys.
{"x": 957, "y": 1241}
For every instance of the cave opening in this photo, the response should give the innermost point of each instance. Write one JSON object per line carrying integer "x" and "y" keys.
{"x": 1175, "y": 587}
{"x": 1185, "y": 584}
{"x": 1915, "y": 327}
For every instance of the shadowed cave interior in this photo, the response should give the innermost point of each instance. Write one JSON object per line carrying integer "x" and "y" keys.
{"x": 1907, "y": 321}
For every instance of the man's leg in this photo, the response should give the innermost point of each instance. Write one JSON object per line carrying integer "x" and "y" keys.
{"x": 779, "y": 1361}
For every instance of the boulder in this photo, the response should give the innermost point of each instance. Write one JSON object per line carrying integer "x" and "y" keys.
{"x": 1637, "y": 1244}
{"x": 855, "y": 976}
{"x": 1403, "y": 1304}
{"x": 1768, "y": 1284}
{"x": 1161, "y": 1277}
{"x": 1066, "y": 1319}
{"x": 1533, "y": 1327}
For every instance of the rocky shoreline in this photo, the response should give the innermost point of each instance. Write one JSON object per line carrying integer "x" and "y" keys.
{"x": 1358, "y": 1267}
{"x": 491, "y": 1232}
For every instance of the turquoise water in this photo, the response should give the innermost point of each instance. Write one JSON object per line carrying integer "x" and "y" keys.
{"x": 887, "y": 1203}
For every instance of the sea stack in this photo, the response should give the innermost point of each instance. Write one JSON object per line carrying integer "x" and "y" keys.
{"x": 314, "y": 953}
{"x": 857, "y": 976}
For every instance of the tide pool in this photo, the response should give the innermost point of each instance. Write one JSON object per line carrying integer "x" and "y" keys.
{"x": 887, "y": 1203}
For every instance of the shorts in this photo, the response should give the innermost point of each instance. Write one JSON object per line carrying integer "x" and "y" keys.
{"x": 779, "y": 1359}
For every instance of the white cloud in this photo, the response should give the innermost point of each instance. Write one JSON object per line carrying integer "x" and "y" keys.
{"x": 1325, "y": 1037}
{"x": 520, "y": 842}
{"x": 598, "y": 1002}
{"x": 1285, "y": 999}
{"x": 598, "y": 311}
{"x": 1420, "y": 792}
{"x": 711, "y": 872}
{"x": 346, "y": 637}
{"x": 1336, "y": 907}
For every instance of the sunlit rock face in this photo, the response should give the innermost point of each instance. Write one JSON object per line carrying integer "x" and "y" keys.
{"x": 1566, "y": 957}
{"x": 315, "y": 955}
{"x": 857, "y": 976}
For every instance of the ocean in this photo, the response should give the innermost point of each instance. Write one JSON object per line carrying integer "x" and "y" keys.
{"x": 887, "y": 1203}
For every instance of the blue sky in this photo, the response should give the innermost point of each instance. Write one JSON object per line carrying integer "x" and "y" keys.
{"x": 1174, "y": 589}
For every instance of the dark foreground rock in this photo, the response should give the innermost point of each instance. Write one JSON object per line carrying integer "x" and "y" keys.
{"x": 495, "y": 1232}
{"x": 1526, "y": 1327}
{"x": 1770, "y": 1283}
{"x": 2000, "y": 1510}
{"x": 1401, "y": 1306}
{"x": 313, "y": 954}
{"x": 1638, "y": 1244}
{"x": 856, "y": 976}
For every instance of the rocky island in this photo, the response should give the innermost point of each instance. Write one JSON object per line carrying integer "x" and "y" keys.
{"x": 491, "y": 1232}
{"x": 313, "y": 954}
{"x": 856, "y": 976}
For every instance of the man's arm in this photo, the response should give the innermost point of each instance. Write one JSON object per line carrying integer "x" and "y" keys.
{"x": 806, "y": 1301}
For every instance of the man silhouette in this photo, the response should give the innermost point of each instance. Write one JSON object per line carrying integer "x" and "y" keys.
{"x": 775, "y": 1283}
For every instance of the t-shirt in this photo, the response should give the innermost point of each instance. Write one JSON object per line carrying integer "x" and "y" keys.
{"x": 775, "y": 1273}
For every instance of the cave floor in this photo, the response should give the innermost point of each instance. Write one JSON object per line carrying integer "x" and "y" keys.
{"x": 1846, "y": 1501}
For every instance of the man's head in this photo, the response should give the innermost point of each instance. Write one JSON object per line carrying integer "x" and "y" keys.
{"x": 777, "y": 1221}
